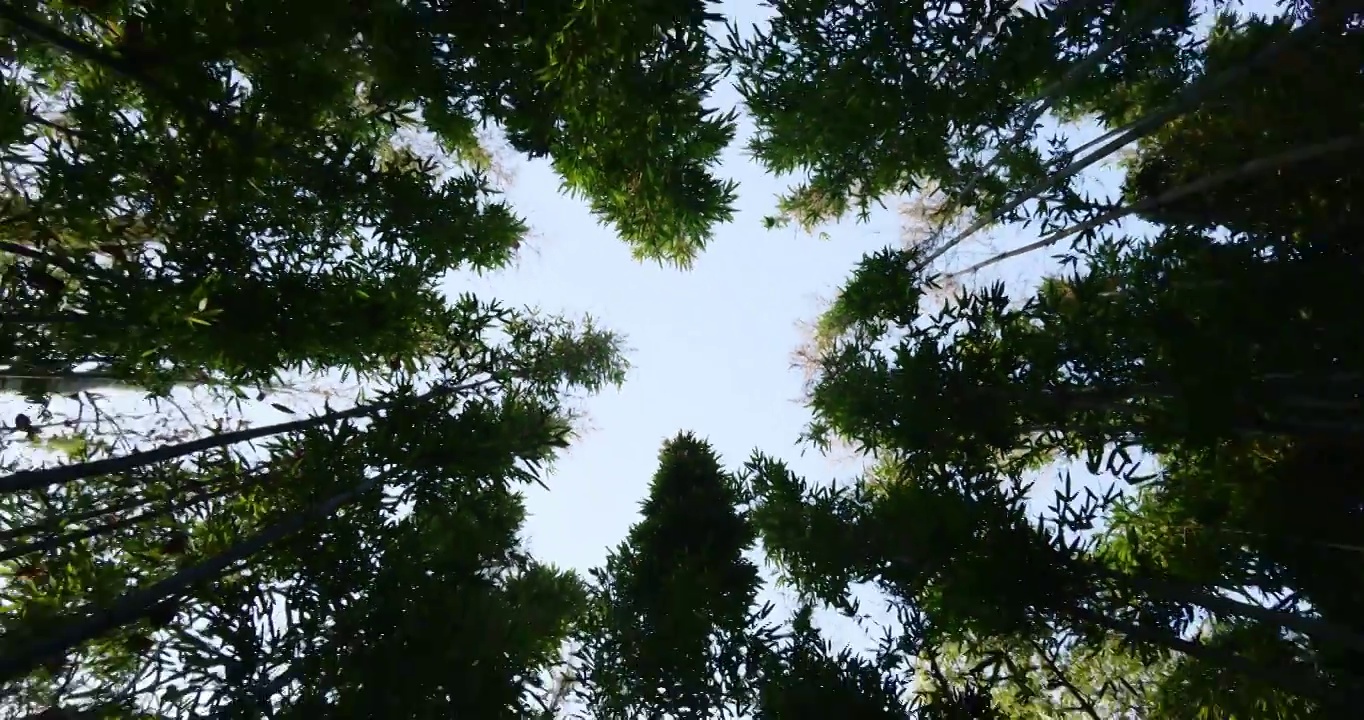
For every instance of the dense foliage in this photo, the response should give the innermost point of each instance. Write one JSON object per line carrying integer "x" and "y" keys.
{"x": 236, "y": 194}
{"x": 1202, "y": 376}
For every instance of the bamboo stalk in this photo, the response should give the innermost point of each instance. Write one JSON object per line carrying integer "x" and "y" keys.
{"x": 53, "y": 524}
{"x": 1296, "y": 683}
{"x": 57, "y": 541}
{"x": 1189, "y": 98}
{"x": 93, "y": 622}
{"x": 62, "y": 474}
{"x": 1203, "y": 184}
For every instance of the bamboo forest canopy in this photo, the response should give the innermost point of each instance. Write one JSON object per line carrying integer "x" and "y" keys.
{"x": 236, "y": 197}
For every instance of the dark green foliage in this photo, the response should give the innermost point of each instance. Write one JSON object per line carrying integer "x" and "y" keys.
{"x": 221, "y": 193}
{"x": 224, "y": 191}
{"x": 805, "y": 678}
{"x": 366, "y": 545}
{"x": 670, "y": 631}
{"x": 876, "y": 98}
{"x": 1205, "y": 374}
{"x": 614, "y": 92}
{"x": 1264, "y": 115}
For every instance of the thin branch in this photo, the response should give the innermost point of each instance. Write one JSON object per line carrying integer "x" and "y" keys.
{"x": 1061, "y": 677}
{"x": 62, "y": 474}
{"x": 65, "y": 383}
{"x": 1296, "y": 683}
{"x": 1312, "y": 627}
{"x": 77, "y": 47}
{"x": 31, "y": 253}
{"x": 1188, "y": 99}
{"x": 73, "y": 537}
{"x": 132, "y": 606}
{"x": 1047, "y": 97}
{"x": 1289, "y": 539}
{"x": 1203, "y": 184}
{"x": 41, "y": 318}
{"x": 249, "y": 478}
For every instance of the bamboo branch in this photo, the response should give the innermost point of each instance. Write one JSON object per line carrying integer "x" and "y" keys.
{"x": 1056, "y": 672}
{"x": 58, "y": 127}
{"x": 1203, "y": 184}
{"x": 1289, "y": 539}
{"x": 1047, "y": 97}
{"x": 1189, "y": 98}
{"x": 1296, "y": 683}
{"x": 62, "y": 474}
{"x": 77, "y": 47}
{"x": 133, "y": 502}
{"x": 54, "y": 524}
{"x": 41, "y": 318}
{"x": 57, "y": 541}
{"x": 1312, "y": 627}
{"x": 134, "y": 605}
{"x": 33, "y": 254}
{"x": 65, "y": 383}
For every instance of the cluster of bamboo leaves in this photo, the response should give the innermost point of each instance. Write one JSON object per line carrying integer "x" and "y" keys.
{"x": 230, "y": 194}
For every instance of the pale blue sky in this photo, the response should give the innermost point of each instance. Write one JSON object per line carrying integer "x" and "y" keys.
{"x": 711, "y": 347}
